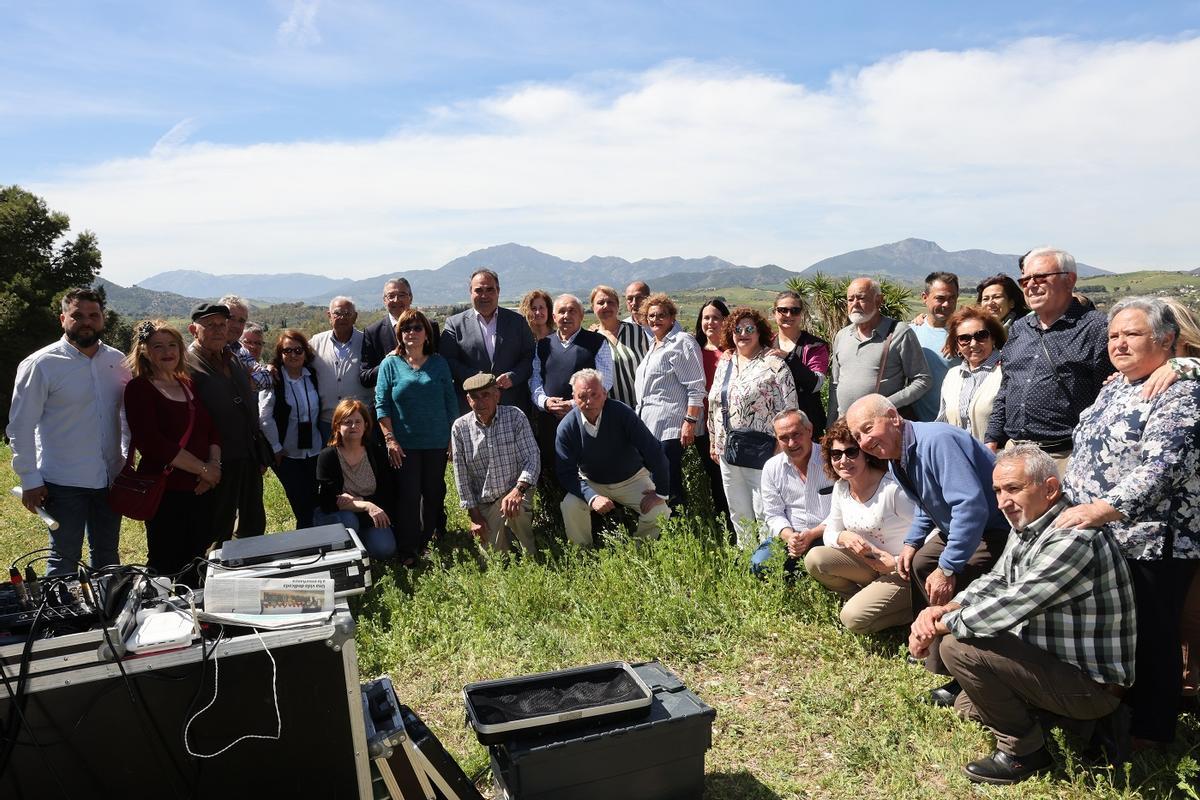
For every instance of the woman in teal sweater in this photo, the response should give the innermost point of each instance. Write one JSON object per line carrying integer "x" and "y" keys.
{"x": 415, "y": 403}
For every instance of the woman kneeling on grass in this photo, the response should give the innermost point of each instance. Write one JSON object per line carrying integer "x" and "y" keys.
{"x": 354, "y": 481}
{"x": 864, "y": 532}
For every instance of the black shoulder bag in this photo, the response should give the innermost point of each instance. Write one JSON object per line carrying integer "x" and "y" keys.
{"x": 744, "y": 447}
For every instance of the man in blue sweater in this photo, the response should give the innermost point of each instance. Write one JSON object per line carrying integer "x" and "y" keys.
{"x": 948, "y": 474}
{"x": 607, "y": 456}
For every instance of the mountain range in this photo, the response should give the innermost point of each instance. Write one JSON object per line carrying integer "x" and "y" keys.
{"x": 522, "y": 268}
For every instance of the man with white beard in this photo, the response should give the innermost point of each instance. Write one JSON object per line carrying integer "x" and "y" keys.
{"x": 874, "y": 354}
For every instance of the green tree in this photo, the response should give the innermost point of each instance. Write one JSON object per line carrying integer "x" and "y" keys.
{"x": 825, "y": 296}
{"x": 37, "y": 264}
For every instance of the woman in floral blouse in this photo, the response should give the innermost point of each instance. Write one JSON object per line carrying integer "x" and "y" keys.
{"x": 750, "y": 387}
{"x": 1136, "y": 471}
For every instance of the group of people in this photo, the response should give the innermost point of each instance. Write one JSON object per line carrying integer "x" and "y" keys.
{"x": 1013, "y": 479}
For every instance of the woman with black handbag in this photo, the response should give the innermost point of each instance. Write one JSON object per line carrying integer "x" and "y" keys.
{"x": 179, "y": 446}
{"x": 750, "y": 387}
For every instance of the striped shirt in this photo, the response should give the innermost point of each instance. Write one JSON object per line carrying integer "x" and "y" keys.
{"x": 489, "y": 460}
{"x": 260, "y": 373}
{"x": 632, "y": 336}
{"x": 790, "y": 501}
{"x": 669, "y": 379}
{"x": 1068, "y": 592}
{"x": 625, "y": 364}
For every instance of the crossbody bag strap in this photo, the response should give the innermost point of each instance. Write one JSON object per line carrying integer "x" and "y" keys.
{"x": 725, "y": 393}
{"x": 1053, "y": 364}
{"x": 187, "y": 433}
{"x": 887, "y": 342}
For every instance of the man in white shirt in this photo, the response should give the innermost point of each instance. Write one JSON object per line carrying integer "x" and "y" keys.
{"x": 795, "y": 492}
{"x": 338, "y": 362}
{"x": 66, "y": 433}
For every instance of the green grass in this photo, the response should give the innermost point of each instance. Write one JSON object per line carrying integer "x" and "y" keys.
{"x": 804, "y": 708}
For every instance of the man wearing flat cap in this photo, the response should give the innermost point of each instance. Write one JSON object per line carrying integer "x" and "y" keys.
{"x": 496, "y": 462}
{"x": 223, "y": 386}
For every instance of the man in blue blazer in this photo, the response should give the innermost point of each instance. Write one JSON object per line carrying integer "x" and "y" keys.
{"x": 379, "y": 339}
{"x": 487, "y": 338}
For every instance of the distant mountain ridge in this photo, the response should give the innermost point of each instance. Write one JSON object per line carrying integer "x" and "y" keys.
{"x": 522, "y": 268}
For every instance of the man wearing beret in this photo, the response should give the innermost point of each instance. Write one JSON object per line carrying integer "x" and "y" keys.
{"x": 223, "y": 386}
{"x": 496, "y": 463}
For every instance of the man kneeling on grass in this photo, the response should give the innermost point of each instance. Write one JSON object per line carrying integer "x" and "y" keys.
{"x": 607, "y": 457}
{"x": 1051, "y": 628}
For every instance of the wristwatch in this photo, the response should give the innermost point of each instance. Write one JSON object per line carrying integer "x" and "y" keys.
{"x": 947, "y": 573}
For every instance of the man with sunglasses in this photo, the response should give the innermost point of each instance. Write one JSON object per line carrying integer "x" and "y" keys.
{"x": 338, "y": 362}
{"x": 1055, "y": 361}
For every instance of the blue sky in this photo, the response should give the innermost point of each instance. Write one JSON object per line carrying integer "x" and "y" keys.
{"x": 354, "y": 138}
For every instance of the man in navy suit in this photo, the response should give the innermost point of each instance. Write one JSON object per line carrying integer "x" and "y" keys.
{"x": 379, "y": 338}
{"x": 487, "y": 338}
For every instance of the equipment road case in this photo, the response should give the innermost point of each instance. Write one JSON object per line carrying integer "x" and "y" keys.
{"x": 93, "y": 731}
{"x": 658, "y": 756}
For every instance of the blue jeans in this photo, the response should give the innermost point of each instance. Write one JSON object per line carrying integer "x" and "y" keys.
{"x": 78, "y": 511}
{"x": 380, "y": 542}
{"x": 758, "y": 561}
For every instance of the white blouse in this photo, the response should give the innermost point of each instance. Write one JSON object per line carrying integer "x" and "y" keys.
{"x": 883, "y": 520}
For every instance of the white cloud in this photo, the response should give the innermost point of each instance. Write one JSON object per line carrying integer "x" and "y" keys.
{"x": 1091, "y": 146}
{"x": 300, "y": 27}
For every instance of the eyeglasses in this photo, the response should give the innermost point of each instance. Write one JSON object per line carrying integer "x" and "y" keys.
{"x": 745, "y": 330}
{"x": 396, "y": 295}
{"x": 788, "y": 310}
{"x": 850, "y": 453}
{"x": 292, "y": 351}
{"x": 979, "y": 336}
{"x": 658, "y": 315}
{"x": 413, "y": 327}
{"x": 1038, "y": 280}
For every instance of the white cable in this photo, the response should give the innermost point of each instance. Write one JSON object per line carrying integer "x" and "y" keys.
{"x": 216, "y": 680}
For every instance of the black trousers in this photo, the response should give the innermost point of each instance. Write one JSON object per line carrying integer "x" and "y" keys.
{"x": 238, "y": 500}
{"x": 674, "y": 452}
{"x": 422, "y": 500}
{"x": 180, "y": 532}
{"x": 712, "y": 471}
{"x": 926, "y": 561}
{"x": 1159, "y": 588}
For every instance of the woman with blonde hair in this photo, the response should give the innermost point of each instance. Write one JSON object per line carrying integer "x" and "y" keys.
{"x": 173, "y": 433}
{"x": 606, "y": 305}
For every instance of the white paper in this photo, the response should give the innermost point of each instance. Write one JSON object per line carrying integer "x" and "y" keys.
{"x": 291, "y": 597}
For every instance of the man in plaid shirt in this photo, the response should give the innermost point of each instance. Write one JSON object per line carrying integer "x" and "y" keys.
{"x": 1051, "y": 627}
{"x": 496, "y": 461}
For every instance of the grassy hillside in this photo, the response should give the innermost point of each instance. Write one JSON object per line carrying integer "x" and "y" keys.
{"x": 804, "y": 709}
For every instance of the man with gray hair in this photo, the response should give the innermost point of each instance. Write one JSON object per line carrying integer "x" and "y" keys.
{"x": 1055, "y": 360}
{"x": 379, "y": 339}
{"x": 874, "y": 354}
{"x": 957, "y": 531}
{"x": 606, "y": 456}
{"x": 239, "y": 316}
{"x": 1050, "y": 628}
{"x": 556, "y": 358}
{"x": 338, "y": 362}
{"x": 795, "y": 492}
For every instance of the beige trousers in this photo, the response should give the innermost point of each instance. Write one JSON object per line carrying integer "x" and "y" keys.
{"x": 873, "y": 601}
{"x": 501, "y": 529}
{"x": 577, "y": 516}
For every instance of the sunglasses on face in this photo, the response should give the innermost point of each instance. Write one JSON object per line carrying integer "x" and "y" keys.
{"x": 745, "y": 330}
{"x": 787, "y": 310}
{"x": 837, "y": 455}
{"x": 1038, "y": 280}
{"x": 413, "y": 328}
{"x": 292, "y": 351}
{"x": 979, "y": 336}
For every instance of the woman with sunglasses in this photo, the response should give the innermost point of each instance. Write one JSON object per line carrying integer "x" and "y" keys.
{"x": 806, "y": 356}
{"x": 970, "y": 387}
{"x": 864, "y": 533}
{"x": 416, "y": 404}
{"x": 751, "y": 386}
{"x": 288, "y": 414}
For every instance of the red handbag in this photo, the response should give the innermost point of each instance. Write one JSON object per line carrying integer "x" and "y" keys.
{"x": 137, "y": 494}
